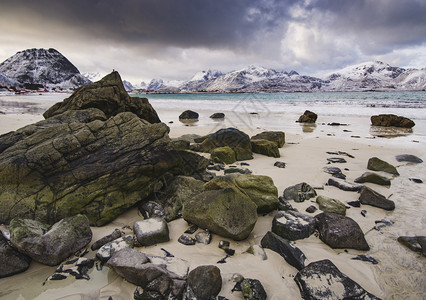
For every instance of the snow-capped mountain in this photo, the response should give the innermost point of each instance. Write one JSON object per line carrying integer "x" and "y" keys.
{"x": 375, "y": 76}
{"x": 157, "y": 84}
{"x": 197, "y": 82}
{"x": 93, "y": 76}
{"x": 43, "y": 67}
{"x": 128, "y": 86}
{"x": 6, "y": 81}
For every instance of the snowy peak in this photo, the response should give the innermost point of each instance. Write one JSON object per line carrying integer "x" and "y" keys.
{"x": 6, "y": 81}
{"x": 206, "y": 75}
{"x": 45, "y": 67}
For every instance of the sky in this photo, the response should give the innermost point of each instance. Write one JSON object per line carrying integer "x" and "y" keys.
{"x": 174, "y": 39}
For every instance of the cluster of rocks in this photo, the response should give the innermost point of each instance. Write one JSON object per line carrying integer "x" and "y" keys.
{"x": 193, "y": 116}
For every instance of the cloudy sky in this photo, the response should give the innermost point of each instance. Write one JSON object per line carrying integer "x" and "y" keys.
{"x": 173, "y": 39}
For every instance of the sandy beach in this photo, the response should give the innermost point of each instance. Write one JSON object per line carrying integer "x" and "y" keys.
{"x": 400, "y": 273}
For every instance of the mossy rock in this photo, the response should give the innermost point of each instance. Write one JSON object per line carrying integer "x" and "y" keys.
{"x": 261, "y": 190}
{"x": 265, "y": 147}
{"x": 220, "y": 182}
{"x": 278, "y": 137}
{"x": 376, "y": 164}
{"x": 223, "y": 154}
{"x": 373, "y": 178}
{"x": 330, "y": 205}
{"x": 227, "y": 212}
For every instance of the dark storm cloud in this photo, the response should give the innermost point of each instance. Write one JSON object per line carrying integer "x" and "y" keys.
{"x": 183, "y": 23}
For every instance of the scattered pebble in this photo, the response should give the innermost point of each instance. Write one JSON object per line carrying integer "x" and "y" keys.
{"x": 363, "y": 212}
{"x": 416, "y": 180}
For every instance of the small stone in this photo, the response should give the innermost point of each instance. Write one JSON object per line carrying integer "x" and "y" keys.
{"x": 186, "y": 240}
{"x": 339, "y": 160}
{"x": 217, "y": 116}
{"x": 363, "y": 212}
{"x": 191, "y": 229}
{"x": 311, "y": 209}
{"x": 188, "y": 115}
{"x": 229, "y": 251}
{"x": 224, "y": 244}
{"x": 416, "y": 180}
{"x": 408, "y": 158}
{"x": 354, "y": 203}
{"x": 366, "y": 258}
{"x": 204, "y": 237}
{"x": 280, "y": 164}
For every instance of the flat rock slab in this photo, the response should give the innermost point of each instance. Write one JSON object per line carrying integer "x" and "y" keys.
{"x": 368, "y": 196}
{"x": 293, "y": 225}
{"x": 345, "y": 185}
{"x": 389, "y": 120}
{"x": 408, "y": 158}
{"x": 151, "y": 231}
{"x": 299, "y": 192}
{"x": 50, "y": 245}
{"x": 292, "y": 255}
{"x": 11, "y": 260}
{"x": 339, "y": 231}
{"x": 323, "y": 280}
{"x": 278, "y": 137}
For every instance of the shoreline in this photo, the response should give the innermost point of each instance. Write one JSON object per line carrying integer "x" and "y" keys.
{"x": 305, "y": 155}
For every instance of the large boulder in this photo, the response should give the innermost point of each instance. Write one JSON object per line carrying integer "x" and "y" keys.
{"x": 278, "y": 137}
{"x": 223, "y": 155}
{"x": 327, "y": 204}
{"x": 108, "y": 95}
{"x": 151, "y": 231}
{"x": 376, "y": 164}
{"x": 188, "y": 115}
{"x": 227, "y": 212}
{"x": 339, "y": 231}
{"x": 60, "y": 167}
{"x": 323, "y": 280}
{"x": 389, "y": 120}
{"x": 50, "y": 245}
{"x": 308, "y": 117}
{"x": 205, "y": 282}
{"x": 164, "y": 277}
{"x": 299, "y": 192}
{"x": 370, "y": 197}
{"x": 373, "y": 178}
{"x": 265, "y": 147}
{"x": 293, "y": 225}
{"x": 261, "y": 190}
{"x": 234, "y": 138}
{"x": 11, "y": 260}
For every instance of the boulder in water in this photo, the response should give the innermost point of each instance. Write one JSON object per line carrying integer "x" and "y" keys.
{"x": 389, "y": 120}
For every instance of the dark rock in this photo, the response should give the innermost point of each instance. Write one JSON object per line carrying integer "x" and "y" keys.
{"x": 180, "y": 144}
{"x": 261, "y": 190}
{"x": 292, "y": 225}
{"x": 224, "y": 244}
{"x": 151, "y": 231}
{"x": 168, "y": 254}
{"x": 355, "y": 203}
{"x": 186, "y": 240}
{"x": 327, "y": 204}
{"x": 217, "y": 116}
{"x": 336, "y": 124}
{"x": 188, "y": 115}
{"x": 363, "y": 212}
{"x": 373, "y": 178}
{"x": 203, "y": 237}
{"x": 339, "y": 231}
{"x": 291, "y": 254}
{"x": 252, "y": 289}
{"x": 50, "y": 245}
{"x": 152, "y": 209}
{"x": 205, "y": 282}
{"x": 106, "y": 239}
{"x": 323, "y": 280}
{"x": 165, "y": 276}
{"x": 284, "y": 204}
{"x": 265, "y": 147}
{"x": 366, "y": 258}
{"x": 389, "y": 120}
{"x": 335, "y": 172}
{"x": 382, "y": 223}
{"x": 376, "y": 164}
{"x": 223, "y": 155}
{"x": 216, "y": 167}
{"x": 106, "y": 251}
{"x": 108, "y": 95}
{"x": 77, "y": 267}
{"x": 227, "y": 212}
{"x": 191, "y": 229}
{"x": 311, "y": 209}
{"x": 11, "y": 260}
{"x": 299, "y": 192}
{"x": 237, "y": 170}
{"x": 408, "y": 158}
{"x": 237, "y": 140}
{"x": 244, "y": 164}
{"x": 414, "y": 243}
{"x": 345, "y": 185}
{"x": 370, "y": 197}
{"x": 416, "y": 180}
{"x": 280, "y": 164}
{"x": 278, "y": 137}
{"x": 308, "y": 117}
{"x": 339, "y": 160}
{"x": 229, "y": 251}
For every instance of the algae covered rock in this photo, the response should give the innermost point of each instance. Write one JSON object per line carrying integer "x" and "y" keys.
{"x": 232, "y": 137}
{"x": 376, "y": 164}
{"x": 47, "y": 244}
{"x": 265, "y": 147}
{"x": 308, "y": 117}
{"x": 261, "y": 190}
{"x": 227, "y": 212}
{"x": 373, "y": 178}
{"x": 278, "y": 137}
{"x": 327, "y": 204}
{"x": 223, "y": 154}
{"x": 389, "y": 120}
{"x": 221, "y": 182}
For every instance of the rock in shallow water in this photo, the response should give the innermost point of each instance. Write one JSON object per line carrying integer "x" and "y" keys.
{"x": 323, "y": 280}
{"x": 50, "y": 245}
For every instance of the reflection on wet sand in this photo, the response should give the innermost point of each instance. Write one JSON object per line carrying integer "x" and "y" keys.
{"x": 21, "y": 107}
{"x": 308, "y": 127}
{"x": 189, "y": 122}
{"x": 389, "y": 132}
